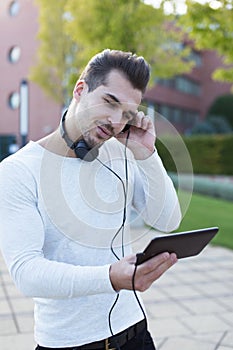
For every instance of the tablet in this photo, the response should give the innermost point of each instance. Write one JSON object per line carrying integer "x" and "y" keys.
{"x": 184, "y": 244}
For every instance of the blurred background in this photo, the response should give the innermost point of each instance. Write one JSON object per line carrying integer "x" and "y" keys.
{"x": 44, "y": 45}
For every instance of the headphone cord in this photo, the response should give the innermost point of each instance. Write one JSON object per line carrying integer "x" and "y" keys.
{"x": 125, "y": 190}
{"x": 121, "y": 228}
{"x": 139, "y": 303}
{"x": 124, "y": 213}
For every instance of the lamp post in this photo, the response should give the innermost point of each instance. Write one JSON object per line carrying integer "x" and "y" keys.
{"x": 23, "y": 112}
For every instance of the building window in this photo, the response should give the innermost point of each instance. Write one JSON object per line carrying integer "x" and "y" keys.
{"x": 181, "y": 83}
{"x": 14, "y": 8}
{"x": 178, "y": 116}
{"x": 14, "y": 100}
{"x": 187, "y": 85}
{"x": 14, "y": 54}
{"x": 196, "y": 57}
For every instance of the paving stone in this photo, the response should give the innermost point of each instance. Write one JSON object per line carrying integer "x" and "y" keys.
{"x": 154, "y": 295}
{"x": 4, "y": 308}
{"x": 228, "y": 339}
{"x": 25, "y": 323}
{"x": 205, "y": 323}
{"x": 2, "y": 292}
{"x": 192, "y": 278}
{"x": 203, "y": 306}
{"x": 7, "y": 326}
{"x": 215, "y": 289}
{"x": 214, "y": 338}
{"x": 167, "y": 327}
{"x": 228, "y": 317}
{"x": 227, "y": 301}
{"x": 185, "y": 343}
{"x": 169, "y": 309}
{"x": 19, "y": 342}
{"x": 182, "y": 291}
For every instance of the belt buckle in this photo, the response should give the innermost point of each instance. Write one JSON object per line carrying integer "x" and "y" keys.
{"x": 107, "y": 345}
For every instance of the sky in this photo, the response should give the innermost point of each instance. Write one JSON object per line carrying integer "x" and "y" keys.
{"x": 180, "y": 5}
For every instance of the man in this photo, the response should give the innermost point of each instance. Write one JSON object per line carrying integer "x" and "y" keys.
{"x": 65, "y": 215}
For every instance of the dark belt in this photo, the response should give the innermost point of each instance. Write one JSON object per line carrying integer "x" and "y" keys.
{"x": 111, "y": 343}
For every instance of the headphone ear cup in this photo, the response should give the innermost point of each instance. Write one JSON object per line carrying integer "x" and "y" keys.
{"x": 83, "y": 151}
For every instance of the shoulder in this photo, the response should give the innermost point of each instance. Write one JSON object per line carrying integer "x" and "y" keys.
{"x": 20, "y": 168}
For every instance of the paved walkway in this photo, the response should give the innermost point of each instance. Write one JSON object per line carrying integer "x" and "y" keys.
{"x": 191, "y": 307}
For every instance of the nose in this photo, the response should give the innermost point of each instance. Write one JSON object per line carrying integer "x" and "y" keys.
{"x": 116, "y": 120}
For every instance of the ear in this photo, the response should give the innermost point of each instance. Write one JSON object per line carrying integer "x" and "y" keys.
{"x": 78, "y": 89}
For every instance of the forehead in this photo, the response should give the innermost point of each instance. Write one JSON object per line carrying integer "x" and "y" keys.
{"x": 119, "y": 86}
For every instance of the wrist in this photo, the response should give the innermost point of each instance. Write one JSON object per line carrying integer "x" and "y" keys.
{"x": 143, "y": 153}
{"x": 112, "y": 279}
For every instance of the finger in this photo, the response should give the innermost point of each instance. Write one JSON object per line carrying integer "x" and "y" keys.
{"x": 137, "y": 121}
{"x": 153, "y": 263}
{"x": 143, "y": 282}
{"x": 145, "y": 123}
{"x": 161, "y": 269}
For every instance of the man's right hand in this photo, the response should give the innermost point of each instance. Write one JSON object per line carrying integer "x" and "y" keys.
{"x": 121, "y": 272}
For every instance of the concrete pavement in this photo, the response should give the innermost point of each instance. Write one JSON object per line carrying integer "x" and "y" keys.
{"x": 190, "y": 307}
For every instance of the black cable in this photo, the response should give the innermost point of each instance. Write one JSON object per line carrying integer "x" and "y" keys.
{"x": 121, "y": 228}
{"x": 139, "y": 303}
{"x": 109, "y": 320}
{"x": 125, "y": 190}
{"x": 124, "y": 212}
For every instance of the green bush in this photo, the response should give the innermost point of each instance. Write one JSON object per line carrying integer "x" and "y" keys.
{"x": 222, "y": 106}
{"x": 210, "y": 154}
{"x": 212, "y": 125}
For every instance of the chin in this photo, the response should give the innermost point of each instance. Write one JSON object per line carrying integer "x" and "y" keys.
{"x": 92, "y": 141}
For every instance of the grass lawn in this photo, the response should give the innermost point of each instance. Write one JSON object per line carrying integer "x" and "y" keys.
{"x": 205, "y": 211}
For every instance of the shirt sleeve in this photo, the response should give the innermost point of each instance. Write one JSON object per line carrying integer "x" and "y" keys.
{"x": 22, "y": 239}
{"x": 155, "y": 197}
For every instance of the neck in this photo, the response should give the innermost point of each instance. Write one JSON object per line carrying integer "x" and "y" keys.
{"x": 55, "y": 143}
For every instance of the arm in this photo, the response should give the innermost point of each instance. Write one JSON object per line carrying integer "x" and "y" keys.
{"x": 155, "y": 197}
{"x": 22, "y": 239}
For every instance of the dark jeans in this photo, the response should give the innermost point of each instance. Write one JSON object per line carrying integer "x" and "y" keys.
{"x": 134, "y": 344}
{"x": 137, "y": 342}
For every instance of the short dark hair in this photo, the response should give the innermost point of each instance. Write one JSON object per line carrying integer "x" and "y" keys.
{"x": 134, "y": 67}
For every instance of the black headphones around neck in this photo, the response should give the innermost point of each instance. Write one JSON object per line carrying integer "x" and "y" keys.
{"x": 80, "y": 147}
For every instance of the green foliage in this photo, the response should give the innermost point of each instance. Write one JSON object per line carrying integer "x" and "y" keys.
{"x": 222, "y": 106}
{"x": 210, "y": 154}
{"x": 212, "y": 28}
{"x": 71, "y": 32}
{"x": 134, "y": 27}
{"x": 54, "y": 57}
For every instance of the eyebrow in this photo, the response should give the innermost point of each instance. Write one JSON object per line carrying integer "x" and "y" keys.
{"x": 114, "y": 98}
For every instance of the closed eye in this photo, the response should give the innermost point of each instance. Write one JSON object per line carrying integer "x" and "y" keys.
{"x": 111, "y": 103}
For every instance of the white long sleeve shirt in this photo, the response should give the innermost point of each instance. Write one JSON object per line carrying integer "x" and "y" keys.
{"x": 58, "y": 216}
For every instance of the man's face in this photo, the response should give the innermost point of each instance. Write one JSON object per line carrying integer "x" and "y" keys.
{"x": 103, "y": 113}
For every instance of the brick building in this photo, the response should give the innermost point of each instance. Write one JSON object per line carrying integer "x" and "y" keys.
{"x": 183, "y": 100}
{"x": 18, "y": 44}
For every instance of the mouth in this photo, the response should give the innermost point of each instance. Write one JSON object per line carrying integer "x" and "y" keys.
{"x": 103, "y": 132}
